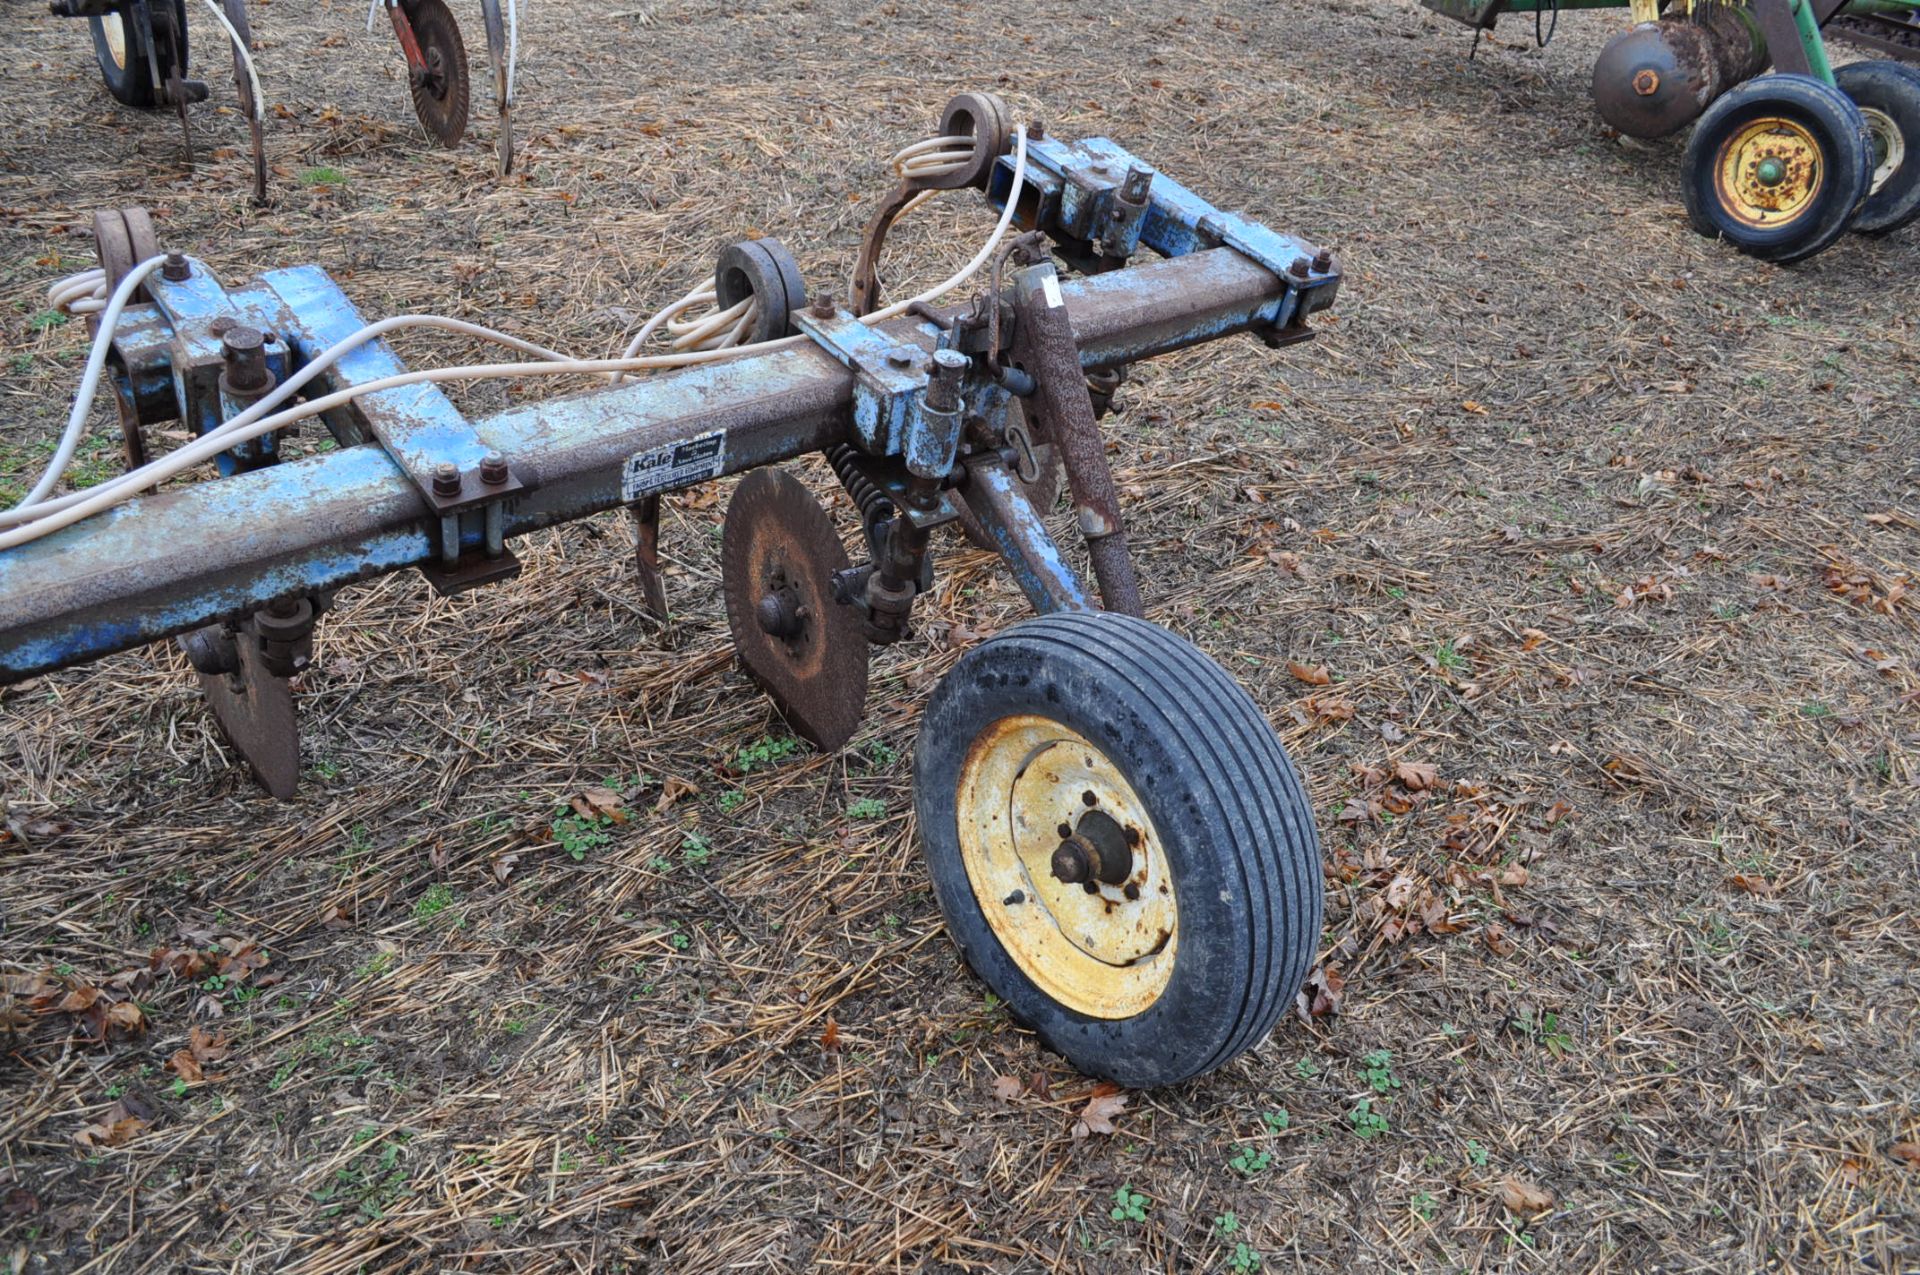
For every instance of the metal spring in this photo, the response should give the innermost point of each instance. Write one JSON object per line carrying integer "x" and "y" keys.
{"x": 874, "y": 504}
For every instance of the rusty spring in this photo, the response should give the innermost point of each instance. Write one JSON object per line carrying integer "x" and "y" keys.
{"x": 874, "y": 505}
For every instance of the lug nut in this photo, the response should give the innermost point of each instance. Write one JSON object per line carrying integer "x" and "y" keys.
{"x": 493, "y": 469}
{"x": 176, "y": 268}
{"x": 446, "y": 479}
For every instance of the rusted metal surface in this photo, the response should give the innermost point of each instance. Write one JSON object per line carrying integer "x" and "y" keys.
{"x": 778, "y": 555}
{"x": 436, "y": 66}
{"x": 1100, "y": 942}
{"x": 1658, "y": 77}
{"x": 1045, "y": 346}
{"x": 646, "y": 557}
{"x": 236, "y": 14}
{"x": 321, "y": 522}
{"x": 255, "y": 711}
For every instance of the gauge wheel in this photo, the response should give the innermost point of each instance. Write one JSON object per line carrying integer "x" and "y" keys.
{"x": 1888, "y": 95}
{"x": 120, "y": 46}
{"x": 1119, "y": 844}
{"x": 1778, "y": 167}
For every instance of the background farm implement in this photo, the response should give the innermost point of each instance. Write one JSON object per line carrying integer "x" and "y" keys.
{"x": 1780, "y": 164}
{"x": 142, "y": 50}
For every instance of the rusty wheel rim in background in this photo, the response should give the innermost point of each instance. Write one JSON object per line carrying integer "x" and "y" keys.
{"x": 1770, "y": 172}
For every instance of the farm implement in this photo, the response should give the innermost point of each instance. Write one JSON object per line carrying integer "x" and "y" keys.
{"x": 1119, "y": 844}
{"x": 141, "y": 47}
{"x": 1780, "y": 164}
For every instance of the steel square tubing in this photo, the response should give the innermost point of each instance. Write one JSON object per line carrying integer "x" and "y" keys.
{"x": 167, "y": 563}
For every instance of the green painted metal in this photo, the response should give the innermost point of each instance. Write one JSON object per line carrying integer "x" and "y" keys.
{"x": 1809, "y": 24}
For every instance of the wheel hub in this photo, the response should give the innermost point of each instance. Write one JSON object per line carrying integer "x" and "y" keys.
{"x": 1769, "y": 172}
{"x": 1067, "y": 866}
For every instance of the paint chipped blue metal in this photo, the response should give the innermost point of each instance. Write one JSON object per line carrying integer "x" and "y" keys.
{"x": 1019, "y": 535}
{"x": 1075, "y": 187}
{"x": 173, "y": 561}
{"x": 417, "y": 424}
{"x": 886, "y": 404}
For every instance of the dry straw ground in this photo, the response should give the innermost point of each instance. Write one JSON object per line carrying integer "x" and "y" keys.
{"x": 1613, "y": 530}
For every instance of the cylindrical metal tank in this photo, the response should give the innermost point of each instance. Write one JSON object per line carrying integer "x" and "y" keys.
{"x": 1658, "y": 77}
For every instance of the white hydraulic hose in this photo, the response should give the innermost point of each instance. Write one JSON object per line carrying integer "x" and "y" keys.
{"x": 246, "y": 60}
{"x": 89, "y": 382}
{"x": 140, "y": 478}
{"x": 83, "y": 293}
{"x": 254, "y": 421}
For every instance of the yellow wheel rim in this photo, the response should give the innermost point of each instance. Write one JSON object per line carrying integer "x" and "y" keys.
{"x": 1769, "y": 172}
{"x": 114, "y": 27}
{"x": 1033, "y": 798}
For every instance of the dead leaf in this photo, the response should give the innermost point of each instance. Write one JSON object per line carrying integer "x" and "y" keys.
{"x": 1323, "y": 993}
{"x": 1530, "y": 638}
{"x": 1473, "y": 407}
{"x": 599, "y": 803}
{"x": 1007, "y": 1088}
{"x": 1097, "y": 1116}
{"x": 1311, "y": 674}
{"x": 1752, "y": 884}
{"x": 672, "y": 790}
{"x": 1525, "y": 1197}
{"x": 1495, "y": 937}
{"x": 1908, "y": 1151}
{"x": 830, "y": 1038}
{"x": 113, "y": 1129}
{"x": 1416, "y": 776}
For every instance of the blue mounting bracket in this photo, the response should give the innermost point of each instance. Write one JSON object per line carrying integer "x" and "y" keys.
{"x": 890, "y": 378}
{"x": 1086, "y": 194}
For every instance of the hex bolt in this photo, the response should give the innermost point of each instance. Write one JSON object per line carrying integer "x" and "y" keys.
{"x": 1300, "y": 268}
{"x": 446, "y": 479}
{"x": 1323, "y": 260}
{"x": 246, "y": 359}
{"x": 1036, "y": 131}
{"x": 900, "y": 356}
{"x": 177, "y": 268}
{"x": 822, "y": 307}
{"x": 493, "y": 469}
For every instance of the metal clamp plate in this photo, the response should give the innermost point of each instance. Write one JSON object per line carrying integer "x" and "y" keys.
{"x": 890, "y": 378}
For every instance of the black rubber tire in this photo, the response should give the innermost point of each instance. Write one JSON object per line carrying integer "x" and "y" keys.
{"x": 133, "y": 84}
{"x": 1839, "y": 131}
{"x": 1233, "y": 818}
{"x": 1888, "y": 93}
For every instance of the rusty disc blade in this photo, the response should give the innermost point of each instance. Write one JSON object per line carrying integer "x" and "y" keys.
{"x": 254, "y": 710}
{"x": 440, "y": 95}
{"x": 778, "y": 554}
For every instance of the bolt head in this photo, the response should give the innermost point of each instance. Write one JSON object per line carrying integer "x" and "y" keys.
{"x": 446, "y": 479}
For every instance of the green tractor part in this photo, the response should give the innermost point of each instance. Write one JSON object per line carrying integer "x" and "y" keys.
{"x": 1782, "y": 164}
